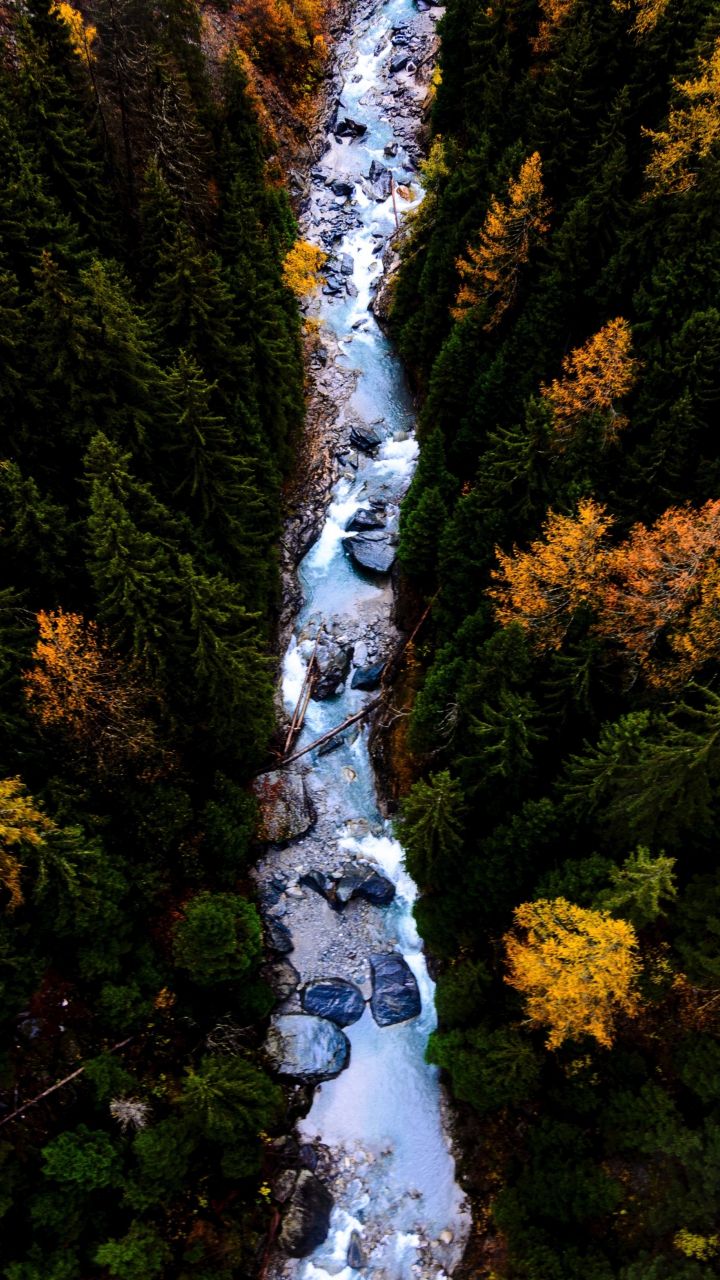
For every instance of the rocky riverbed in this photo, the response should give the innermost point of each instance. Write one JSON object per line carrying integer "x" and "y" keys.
{"x": 367, "y": 1184}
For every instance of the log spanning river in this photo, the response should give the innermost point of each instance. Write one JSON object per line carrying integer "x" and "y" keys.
{"x": 369, "y": 1188}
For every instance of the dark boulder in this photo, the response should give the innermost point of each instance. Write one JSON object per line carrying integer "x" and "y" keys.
{"x": 355, "y": 1257}
{"x": 368, "y": 678}
{"x": 348, "y": 128}
{"x": 306, "y": 1221}
{"x": 366, "y": 439}
{"x": 319, "y": 883}
{"x": 282, "y": 977}
{"x": 381, "y": 179}
{"x": 364, "y": 520}
{"x": 333, "y": 662}
{"x": 341, "y": 187}
{"x": 278, "y": 936}
{"x": 398, "y": 63}
{"x": 372, "y": 552}
{"x": 334, "y": 998}
{"x": 395, "y": 996}
{"x": 376, "y": 889}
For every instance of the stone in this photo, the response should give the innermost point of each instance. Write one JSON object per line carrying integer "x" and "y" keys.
{"x": 398, "y": 63}
{"x": 326, "y": 748}
{"x": 348, "y": 128}
{"x": 286, "y": 811}
{"x": 306, "y": 1047}
{"x": 366, "y": 439}
{"x": 368, "y": 678}
{"x": 381, "y": 179}
{"x": 334, "y": 998}
{"x": 377, "y": 890}
{"x": 319, "y": 882}
{"x": 395, "y": 996}
{"x": 351, "y": 289}
{"x": 333, "y": 663}
{"x": 278, "y": 936}
{"x": 284, "y": 1185}
{"x": 306, "y": 1221}
{"x": 364, "y": 520}
{"x": 347, "y": 265}
{"x": 355, "y": 1257}
{"x": 283, "y": 978}
{"x": 391, "y": 149}
{"x": 308, "y": 1156}
{"x": 341, "y": 187}
{"x": 372, "y": 552}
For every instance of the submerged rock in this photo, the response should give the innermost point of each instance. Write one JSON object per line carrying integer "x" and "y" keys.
{"x": 368, "y": 678}
{"x": 307, "y": 1047}
{"x": 286, "y": 811}
{"x": 334, "y": 998}
{"x": 306, "y": 1221}
{"x": 373, "y": 552}
{"x": 395, "y": 996}
{"x": 355, "y": 1257}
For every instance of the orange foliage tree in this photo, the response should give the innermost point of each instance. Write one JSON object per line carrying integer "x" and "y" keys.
{"x": 82, "y": 34}
{"x": 664, "y": 582}
{"x": 693, "y": 130}
{"x": 288, "y": 34}
{"x": 646, "y": 13}
{"x": 302, "y": 267}
{"x": 490, "y": 272}
{"x": 79, "y": 685}
{"x": 552, "y": 15}
{"x": 594, "y": 378}
{"x": 576, "y": 968}
{"x": 22, "y": 822}
{"x": 542, "y": 588}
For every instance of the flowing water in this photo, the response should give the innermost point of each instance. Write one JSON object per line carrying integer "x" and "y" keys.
{"x": 382, "y": 1118}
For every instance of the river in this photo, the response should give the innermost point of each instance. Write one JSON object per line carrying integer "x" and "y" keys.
{"x": 379, "y": 1124}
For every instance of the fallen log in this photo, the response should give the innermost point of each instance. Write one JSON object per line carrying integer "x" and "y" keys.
{"x": 58, "y": 1085}
{"x": 331, "y": 733}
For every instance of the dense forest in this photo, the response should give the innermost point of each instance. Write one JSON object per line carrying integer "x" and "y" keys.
{"x": 558, "y": 305}
{"x": 151, "y": 391}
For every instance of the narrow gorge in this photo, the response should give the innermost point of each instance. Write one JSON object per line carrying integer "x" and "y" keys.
{"x": 369, "y": 1186}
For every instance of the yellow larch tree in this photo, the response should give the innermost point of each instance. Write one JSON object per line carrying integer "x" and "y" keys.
{"x": 302, "y": 268}
{"x": 82, "y": 34}
{"x": 79, "y": 685}
{"x": 693, "y": 130}
{"x": 22, "y": 822}
{"x": 595, "y": 376}
{"x": 576, "y": 968}
{"x": 646, "y": 13}
{"x": 490, "y": 272}
{"x": 542, "y": 588}
{"x": 663, "y": 583}
{"x": 553, "y": 14}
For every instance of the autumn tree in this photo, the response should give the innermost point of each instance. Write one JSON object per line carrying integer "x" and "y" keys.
{"x": 301, "y": 268}
{"x": 693, "y": 130}
{"x": 22, "y": 824}
{"x": 542, "y": 588}
{"x": 490, "y": 272}
{"x": 553, "y": 13}
{"x": 77, "y": 684}
{"x": 645, "y": 13}
{"x": 664, "y": 582}
{"x": 595, "y": 376}
{"x": 82, "y": 34}
{"x": 576, "y": 969}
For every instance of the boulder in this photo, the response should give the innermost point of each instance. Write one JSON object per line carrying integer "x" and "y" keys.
{"x": 364, "y": 520}
{"x": 319, "y": 883}
{"x": 333, "y": 663}
{"x": 282, "y": 977}
{"x": 306, "y": 1221}
{"x": 286, "y": 811}
{"x": 398, "y": 63}
{"x": 341, "y": 187}
{"x": 355, "y": 1258}
{"x": 366, "y": 439}
{"x": 395, "y": 996}
{"x": 334, "y": 998}
{"x": 278, "y": 936}
{"x": 372, "y": 552}
{"x": 347, "y": 266}
{"x": 376, "y": 889}
{"x": 306, "y": 1047}
{"x": 368, "y": 678}
{"x": 348, "y": 128}
{"x": 381, "y": 179}
{"x": 391, "y": 149}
